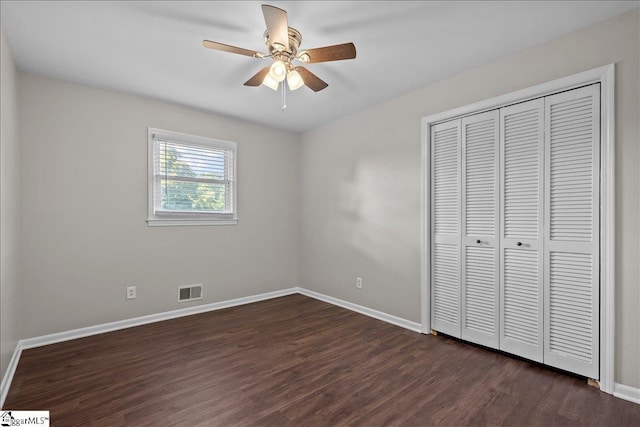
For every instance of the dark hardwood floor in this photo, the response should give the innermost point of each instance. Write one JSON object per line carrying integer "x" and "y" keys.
{"x": 297, "y": 361}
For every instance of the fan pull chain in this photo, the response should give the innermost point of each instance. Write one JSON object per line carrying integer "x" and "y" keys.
{"x": 284, "y": 97}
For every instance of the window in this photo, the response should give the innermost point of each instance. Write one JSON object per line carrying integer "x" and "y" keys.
{"x": 191, "y": 180}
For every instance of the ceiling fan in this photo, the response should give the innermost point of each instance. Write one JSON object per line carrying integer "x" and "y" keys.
{"x": 283, "y": 43}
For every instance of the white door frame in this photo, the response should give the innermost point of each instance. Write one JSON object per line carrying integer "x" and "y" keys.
{"x": 604, "y": 75}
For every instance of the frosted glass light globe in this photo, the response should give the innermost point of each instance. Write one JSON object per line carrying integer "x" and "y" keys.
{"x": 270, "y": 82}
{"x": 294, "y": 80}
{"x": 278, "y": 71}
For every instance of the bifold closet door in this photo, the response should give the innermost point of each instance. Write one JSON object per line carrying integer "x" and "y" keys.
{"x": 445, "y": 226}
{"x": 480, "y": 278}
{"x": 572, "y": 200}
{"x": 521, "y": 232}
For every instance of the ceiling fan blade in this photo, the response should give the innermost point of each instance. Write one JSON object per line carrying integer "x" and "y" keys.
{"x": 232, "y": 49}
{"x": 258, "y": 77}
{"x": 329, "y": 53}
{"x": 314, "y": 82}
{"x": 277, "y": 26}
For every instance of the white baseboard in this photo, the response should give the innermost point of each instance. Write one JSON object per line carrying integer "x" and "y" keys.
{"x": 8, "y": 375}
{"x": 625, "y": 392}
{"x": 398, "y": 321}
{"x": 152, "y": 318}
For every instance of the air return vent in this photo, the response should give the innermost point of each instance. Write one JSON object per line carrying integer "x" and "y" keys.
{"x": 189, "y": 293}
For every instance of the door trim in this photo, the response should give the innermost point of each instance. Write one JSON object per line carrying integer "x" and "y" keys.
{"x": 604, "y": 75}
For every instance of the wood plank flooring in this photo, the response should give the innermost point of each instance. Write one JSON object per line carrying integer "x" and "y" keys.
{"x": 300, "y": 362}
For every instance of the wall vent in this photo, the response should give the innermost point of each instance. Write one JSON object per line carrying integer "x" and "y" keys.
{"x": 189, "y": 293}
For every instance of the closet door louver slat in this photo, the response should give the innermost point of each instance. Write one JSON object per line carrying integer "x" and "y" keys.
{"x": 445, "y": 223}
{"x": 521, "y": 309}
{"x": 480, "y": 292}
{"x": 572, "y": 121}
{"x": 521, "y": 188}
{"x": 447, "y": 283}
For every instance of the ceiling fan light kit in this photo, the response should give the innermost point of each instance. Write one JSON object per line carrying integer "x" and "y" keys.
{"x": 270, "y": 82}
{"x": 294, "y": 80}
{"x": 283, "y": 43}
{"x": 278, "y": 70}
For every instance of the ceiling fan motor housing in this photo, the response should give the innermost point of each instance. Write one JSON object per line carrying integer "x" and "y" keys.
{"x": 295, "y": 39}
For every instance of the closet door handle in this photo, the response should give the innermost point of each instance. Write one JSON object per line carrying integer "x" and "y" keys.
{"x": 478, "y": 241}
{"x": 519, "y": 243}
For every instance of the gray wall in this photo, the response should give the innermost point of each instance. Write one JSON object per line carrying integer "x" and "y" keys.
{"x": 360, "y": 180}
{"x": 84, "y": 206}
{"x": 9, "y": 206}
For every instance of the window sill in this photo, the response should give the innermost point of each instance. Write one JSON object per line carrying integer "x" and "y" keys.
{"x": 173, "y": 222}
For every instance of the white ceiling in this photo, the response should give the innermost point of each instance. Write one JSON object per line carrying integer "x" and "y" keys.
{"x": 154, "y": 48}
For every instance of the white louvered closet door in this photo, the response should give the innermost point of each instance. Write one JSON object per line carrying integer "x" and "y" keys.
{"x": 521, "y": 232}
{"x": 480, "y": 277}
{"x": 445, "y": 226}
{"x": 572, "y": 122}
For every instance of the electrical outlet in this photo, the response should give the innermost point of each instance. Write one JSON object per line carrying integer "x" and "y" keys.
{"x": 131, "y": 292}
{"x": 359, "y": 282}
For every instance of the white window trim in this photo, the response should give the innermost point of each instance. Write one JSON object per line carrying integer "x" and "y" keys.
{"x": 604, "y": 75}
{"x": 174, "y": 218}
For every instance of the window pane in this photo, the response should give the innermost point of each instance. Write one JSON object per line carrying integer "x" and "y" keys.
{"x": 193, "y": 196}
{"x": 179, "y": 160}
